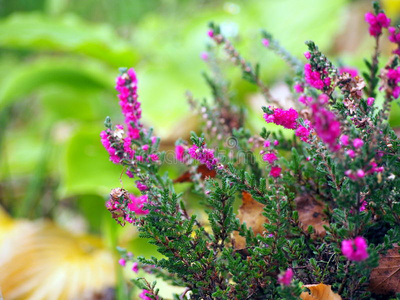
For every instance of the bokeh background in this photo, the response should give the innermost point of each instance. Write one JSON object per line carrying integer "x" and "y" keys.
{"x": 58, "y": 61}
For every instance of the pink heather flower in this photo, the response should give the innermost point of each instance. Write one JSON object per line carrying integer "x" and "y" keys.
{"x": 127, "y": 88}
{"x": 363, "y": 205}
{"x": 139, "y": 158}
{"x": 314, "y": 78}
{"x": 326, "y": 126}
{"x": 350, "y": 174}
{"x": 122, "y": 262}
{"x": 267, "y": 144}
{"x": 344, "y": 139}
{"x": 275, "y": 172}
{"x": 356, "y": 249}
{"x": 129, "y": 173}
{"x": 360, "y": 173}
{"x": 303, "y": 133}
{"x": 375, "y": 168}
{"x": 285, "y": 118}
{"x": 204, "y": 56}
{"x": 179, "y": 152}
{"x": 270, "y": 157}
{"x": 323, "y": 99}
{"x": 210, "y": 33}
{"x": 141, "y": 186}
{"x": 265, "y": 42}
{"x": 358, "y": 143}
{"x": 370, "y": 101}
{"x": 128, "y": 147}
{"x": 305, "y": 100}
{"x": 137, "y": 203}
{"x": 376, "y": 23}
{"x": 145, "y": 147}
{"x": 286, "y": 278}
{"x": 307, "y": 55}
{"x": 204, "y": 156}
{"x": 143, "y": 295}
{"x": 153, "y": 139}
{"x": 298, "y": 88}
{"x": 351, "y": 153}
{"x": 154, "y": 157}
{"x": 276, "y": 143}
{"x": 352, "y": 71}
{"x": 135, "y": 267}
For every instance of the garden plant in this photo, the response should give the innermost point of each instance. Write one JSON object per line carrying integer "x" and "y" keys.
{"x": 308, "y": 209}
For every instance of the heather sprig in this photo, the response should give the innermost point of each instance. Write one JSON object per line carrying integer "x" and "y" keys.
{"x": 326, "y": 191}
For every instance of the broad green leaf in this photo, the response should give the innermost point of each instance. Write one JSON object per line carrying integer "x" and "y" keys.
{"x": 29, "y": 77}
{"x": 67, "y": 34}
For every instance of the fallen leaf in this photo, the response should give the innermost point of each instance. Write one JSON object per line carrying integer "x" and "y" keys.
{"x": 201, "y": 169}
{"x": 40, "y": 260}
{"x": 385, "y": 278}
{"x": 319, "y": 292}
{"x": 311, "y": 212}
{"x": 250, "y": 212}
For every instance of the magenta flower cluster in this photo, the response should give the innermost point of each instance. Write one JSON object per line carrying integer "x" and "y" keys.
{"x": 355, "y": 250}
{"x": 286, "y": 277}
{"x": 393, "y": 76}
{"x": 326, "y": 125}
{"x": 203, "y": 155}
{"x": 126, "y": 85}
{"x": 394, "y": 37}
{"x": 376, "y": 23}
{"x": 285, "y": 118}
{"x": 289, "y": 119}
{"x": 316, "y": 79}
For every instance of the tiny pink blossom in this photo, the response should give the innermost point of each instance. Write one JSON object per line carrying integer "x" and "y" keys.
{"x": 370, "y": 101}
{"x": 210, "y": 33}
{"x": 351, "y": 153}
{"x": 154, "y": 157}
{"x": 298, "y": 88}
{"x": 122, "y": 262}
{"x": 276, "y": 143}
{"x": 275, "y": 172}
{"x": 307, "y": 55}
{"x": 204, "y": 56}
{"x": 267, "y": 144}
{"x": 145, "y": 147}
{"x": 144, "y": 296}
{"x": 350, "y": 174}
{"x": 270, "y": 157}
{"x": 135, "y": 267}
{"x": 358, "y": 143}
{"x": 344, "y": 139}
{"x": 360, "y": 173}
{"x": 179, "y": 152}
{"x": 265, "y": 42}
{"x": 356, "y": 249}
{"x": 352, "y": 71}
{"x": 286, "y": 278}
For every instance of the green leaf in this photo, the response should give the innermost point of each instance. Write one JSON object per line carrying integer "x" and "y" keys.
{"x": 67, "y": 34}
{"x": 30, "y": 77}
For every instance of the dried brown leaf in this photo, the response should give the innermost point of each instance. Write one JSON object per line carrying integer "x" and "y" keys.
{"x": 385, "y": 278}
{"x": 202, "y": 169}
{"x": 319, "y": 292}
{"x": 250, "y": 212}
{"x": 311, "y": 212}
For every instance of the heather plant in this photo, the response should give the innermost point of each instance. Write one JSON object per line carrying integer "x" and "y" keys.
{"x": 319, "y": 216}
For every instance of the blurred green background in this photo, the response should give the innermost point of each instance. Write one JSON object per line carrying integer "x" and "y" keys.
{"x": 58, "y": 61}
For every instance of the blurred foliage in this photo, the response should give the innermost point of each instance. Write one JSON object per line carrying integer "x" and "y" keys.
{"x": 58, "y": 61}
